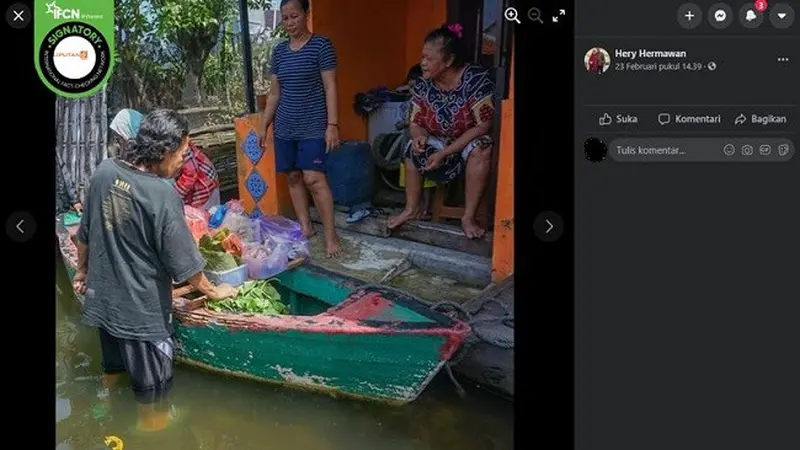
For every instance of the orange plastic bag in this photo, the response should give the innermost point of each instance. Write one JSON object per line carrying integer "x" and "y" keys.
{"x": 233, "y": 245}
{"x": 197, "y": 220}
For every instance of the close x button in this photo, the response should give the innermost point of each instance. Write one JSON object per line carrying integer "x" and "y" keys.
{"x": 548, "y": 226}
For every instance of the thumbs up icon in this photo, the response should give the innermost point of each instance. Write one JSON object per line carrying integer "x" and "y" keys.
{"x": 605, "y": 120}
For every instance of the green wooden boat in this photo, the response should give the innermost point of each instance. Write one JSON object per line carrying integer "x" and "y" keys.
{"x": 67, "y": 248}
{"x": 342, "y": 338}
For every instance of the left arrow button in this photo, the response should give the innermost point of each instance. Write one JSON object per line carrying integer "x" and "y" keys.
{"x": 20, "y": 226}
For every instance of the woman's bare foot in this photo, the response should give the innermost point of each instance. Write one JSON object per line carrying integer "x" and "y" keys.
{"x": 471, "y": 228}
{"x": 308, "y": 230}
{"x": 403, "y": 217}
{"x": 332, "y": 247}
{"x": 154, "y": 421}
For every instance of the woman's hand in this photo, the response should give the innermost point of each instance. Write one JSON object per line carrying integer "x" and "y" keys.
{"x": 79, "y": 282}
{"x": 262, "y": 133}
{"x": 331, "y": 137}
{"x": 222, "y": 292}
{"x": 434, "y": 161}
{"x": 419, "y": 143}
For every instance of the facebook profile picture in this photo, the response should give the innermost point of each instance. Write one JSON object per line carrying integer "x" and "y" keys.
{"x": 597, "y": 60}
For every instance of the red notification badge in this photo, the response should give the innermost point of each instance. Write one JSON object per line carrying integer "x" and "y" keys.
{"x": 760, "y": 5}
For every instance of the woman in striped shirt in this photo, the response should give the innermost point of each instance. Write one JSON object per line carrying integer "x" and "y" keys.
{"x": 302, "y": 108}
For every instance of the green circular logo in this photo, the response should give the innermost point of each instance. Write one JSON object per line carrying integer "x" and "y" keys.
{"x": 74, "y": 57}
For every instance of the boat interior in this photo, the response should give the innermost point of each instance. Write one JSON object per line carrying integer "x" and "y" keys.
{"x": 308, "y": 291}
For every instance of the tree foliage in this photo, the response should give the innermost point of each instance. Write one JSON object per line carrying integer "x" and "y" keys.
{"x": 180, "y": 53}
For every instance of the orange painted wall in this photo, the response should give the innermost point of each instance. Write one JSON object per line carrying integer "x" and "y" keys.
{"x": 422, "y": 16}
{"x": 370, "y": 42}
{"x": 503, "y": 244}
{"x": 276, "y": 200}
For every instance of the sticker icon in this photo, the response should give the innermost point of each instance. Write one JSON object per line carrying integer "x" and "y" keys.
{"x": 73, "y": 45}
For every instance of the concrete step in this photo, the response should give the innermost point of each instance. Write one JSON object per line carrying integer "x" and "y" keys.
{"x": 436, "y": 234}
{"x": 434, "y": 274}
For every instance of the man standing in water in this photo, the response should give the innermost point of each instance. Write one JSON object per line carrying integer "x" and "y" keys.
{"x": 133, "y": 242}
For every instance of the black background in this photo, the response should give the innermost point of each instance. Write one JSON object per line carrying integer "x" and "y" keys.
{"x": 28, "y": 184}
{"x": 543, "y": 181}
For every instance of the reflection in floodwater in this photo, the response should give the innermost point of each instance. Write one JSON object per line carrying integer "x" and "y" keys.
{"x": 220, "y": 413}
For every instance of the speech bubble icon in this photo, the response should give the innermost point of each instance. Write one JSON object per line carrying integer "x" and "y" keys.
{"x": 664, "y": 118}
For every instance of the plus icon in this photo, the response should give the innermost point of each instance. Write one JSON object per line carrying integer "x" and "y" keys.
{"x": 689, "y": 16}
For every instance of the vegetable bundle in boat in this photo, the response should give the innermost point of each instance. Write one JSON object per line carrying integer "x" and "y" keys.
{"x": 254, "y": 297}
{"x": 222, "y": 250}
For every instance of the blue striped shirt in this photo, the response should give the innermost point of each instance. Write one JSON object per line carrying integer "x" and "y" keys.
{"x": 302, "y": 112}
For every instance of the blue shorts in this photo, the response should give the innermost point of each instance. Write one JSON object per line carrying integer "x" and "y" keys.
{"x": 303, "y": 154}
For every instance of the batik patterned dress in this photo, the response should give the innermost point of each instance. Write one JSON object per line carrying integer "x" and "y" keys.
{"x": 446, "y": 115}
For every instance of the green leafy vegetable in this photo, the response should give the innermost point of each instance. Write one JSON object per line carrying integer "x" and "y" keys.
{"x": 217, "y": 259}
{"x": 254, "y": 297}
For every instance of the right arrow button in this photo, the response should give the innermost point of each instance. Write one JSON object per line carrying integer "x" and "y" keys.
{"x": 548, "y": 226}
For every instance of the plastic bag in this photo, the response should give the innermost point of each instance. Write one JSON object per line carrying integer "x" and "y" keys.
{"x": 217, "y": 216}
{"x": 281, "y": 227}
{"x": 264, "y": 260}
{"x": 197, "y": 220}
{"x": 235, "y": 206}
{"x": 248, "y": 230}
{"x": 287, "y": 233}
{"x": 233, "y": 245}
{"x": 294, "y": 249}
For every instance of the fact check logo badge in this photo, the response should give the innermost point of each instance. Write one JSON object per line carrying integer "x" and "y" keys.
{"x": 73, "y": 42}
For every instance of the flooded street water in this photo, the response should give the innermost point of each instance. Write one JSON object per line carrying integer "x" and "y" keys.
{"x": 220, "y": 413}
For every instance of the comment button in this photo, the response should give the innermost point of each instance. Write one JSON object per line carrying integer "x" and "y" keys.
{"x": 700, "y": 150}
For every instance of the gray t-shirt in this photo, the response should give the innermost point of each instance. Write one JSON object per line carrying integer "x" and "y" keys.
{"x": 134, "y": 226}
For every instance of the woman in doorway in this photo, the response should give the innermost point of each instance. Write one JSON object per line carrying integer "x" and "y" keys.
{"x": 302, "y": 107}
{"x": 451, "y": 116}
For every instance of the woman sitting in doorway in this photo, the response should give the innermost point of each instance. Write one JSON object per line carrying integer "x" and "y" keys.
{"x": 415, "y": 75}
{"x": 451, "y": 116}
{"x": 197, "y": 182}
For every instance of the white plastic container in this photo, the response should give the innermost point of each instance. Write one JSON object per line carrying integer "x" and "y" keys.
{"x": 384, "y": 119}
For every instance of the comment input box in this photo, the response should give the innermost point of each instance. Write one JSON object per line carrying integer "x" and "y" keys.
{"x": 699, "y": 149}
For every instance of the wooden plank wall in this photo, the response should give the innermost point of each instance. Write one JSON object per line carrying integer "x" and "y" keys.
{"x": 81, "y": 135}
